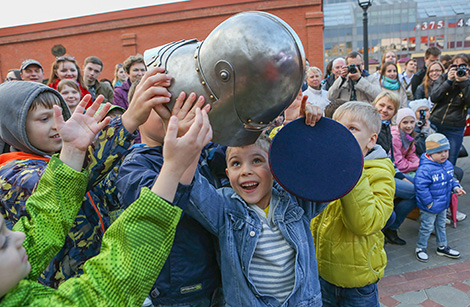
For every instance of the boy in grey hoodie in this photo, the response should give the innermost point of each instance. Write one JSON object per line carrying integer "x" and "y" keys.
{"x": 27, "y": 125}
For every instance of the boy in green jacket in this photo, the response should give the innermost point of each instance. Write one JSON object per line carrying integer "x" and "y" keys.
{"x": 130, "y": 258}
{"x": 347, "y": 234}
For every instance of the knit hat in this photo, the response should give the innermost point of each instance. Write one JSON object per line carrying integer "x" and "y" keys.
{"x": 404, "y": 112}
{"x": 416, "y": 104}
{"x": 436, "y": 142}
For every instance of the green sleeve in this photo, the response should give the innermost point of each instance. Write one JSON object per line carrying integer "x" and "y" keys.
{"x": 52, "y": 209}
{"x": 133, "y": 252}
{"x": 369, "y": 205}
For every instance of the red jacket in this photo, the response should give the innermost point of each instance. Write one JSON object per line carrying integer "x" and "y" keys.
{"x": 83, "y": 91}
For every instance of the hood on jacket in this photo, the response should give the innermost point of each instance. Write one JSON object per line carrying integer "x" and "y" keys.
{"x": 377, "y": 152}
{"x": 15, "y": 100}
{"x": 425, "y": 160}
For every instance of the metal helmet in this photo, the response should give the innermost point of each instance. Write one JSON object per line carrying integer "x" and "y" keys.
{"x": 250, "y": 68}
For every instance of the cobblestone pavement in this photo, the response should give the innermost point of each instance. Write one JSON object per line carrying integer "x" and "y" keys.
{"x": 439, "y": 282}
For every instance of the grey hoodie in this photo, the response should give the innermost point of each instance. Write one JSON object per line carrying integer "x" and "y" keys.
{"x": 15, "y": 99}
{"x": 377, "y": 152}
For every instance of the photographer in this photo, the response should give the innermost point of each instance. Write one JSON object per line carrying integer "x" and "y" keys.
{"x": 423, "y": 128}
{"x": 355, "y": 83}
{"x": 451, "y": 98}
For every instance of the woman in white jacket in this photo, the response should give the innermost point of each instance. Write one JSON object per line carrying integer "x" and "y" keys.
{"x": 316, "y": 95}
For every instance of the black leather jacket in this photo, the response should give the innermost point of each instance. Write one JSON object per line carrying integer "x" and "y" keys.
{"x": 451, "y": 100}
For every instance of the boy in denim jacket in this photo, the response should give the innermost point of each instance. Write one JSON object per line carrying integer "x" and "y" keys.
{"x": 252, "y": 219}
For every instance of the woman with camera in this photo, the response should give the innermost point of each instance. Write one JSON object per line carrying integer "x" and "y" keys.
{"x": 451, "y": 98}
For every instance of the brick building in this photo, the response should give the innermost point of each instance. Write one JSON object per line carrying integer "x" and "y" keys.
{"x": 115, "y": 36}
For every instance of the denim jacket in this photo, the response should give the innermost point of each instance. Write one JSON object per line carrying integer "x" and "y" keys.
{"x": 226, "y": 215}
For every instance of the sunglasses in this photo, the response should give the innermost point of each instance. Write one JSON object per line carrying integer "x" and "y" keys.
{"x": 463, "y": 65}
{"x": 69, "y": 58}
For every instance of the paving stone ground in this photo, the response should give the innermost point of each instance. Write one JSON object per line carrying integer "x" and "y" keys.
{"x": 439, "y": 282}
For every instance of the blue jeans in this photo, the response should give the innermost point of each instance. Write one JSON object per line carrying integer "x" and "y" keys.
{"x": 367, "y": 296}
{"x": 428, "y": 222}
{"x": 391, "y": 220}
{"x": 455, "y": 137}
{"x": 405, "y": 191}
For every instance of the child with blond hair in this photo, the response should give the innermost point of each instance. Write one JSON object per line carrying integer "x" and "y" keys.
{"x": 347, "y": 234}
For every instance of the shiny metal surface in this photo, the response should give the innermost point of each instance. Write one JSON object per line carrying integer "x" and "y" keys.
{"x": 249, "y": 68}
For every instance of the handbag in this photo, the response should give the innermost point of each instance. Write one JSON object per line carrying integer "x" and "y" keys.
{"x": 467, "y": 127}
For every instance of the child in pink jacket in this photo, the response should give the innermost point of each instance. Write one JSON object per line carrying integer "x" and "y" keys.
{"x": 404, "y": 148}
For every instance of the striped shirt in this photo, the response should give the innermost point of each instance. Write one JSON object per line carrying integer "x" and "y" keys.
{"x": 272, "y": 268}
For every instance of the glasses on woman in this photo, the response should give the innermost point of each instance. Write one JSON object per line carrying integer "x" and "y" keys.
{"x": 432, "y": 71}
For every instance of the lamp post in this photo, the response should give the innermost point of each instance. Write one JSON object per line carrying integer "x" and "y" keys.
{"x": 365, "y": 4}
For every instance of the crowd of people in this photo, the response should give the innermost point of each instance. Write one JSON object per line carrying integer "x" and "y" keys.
{"x": 108, "y": 199}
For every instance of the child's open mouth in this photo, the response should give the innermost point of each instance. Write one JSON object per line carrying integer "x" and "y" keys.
{"x": 249, "y": 186}
{"x": 55, "y": 136}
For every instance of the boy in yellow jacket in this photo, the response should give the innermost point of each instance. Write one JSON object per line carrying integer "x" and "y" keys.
{"x": 347, "y": 234}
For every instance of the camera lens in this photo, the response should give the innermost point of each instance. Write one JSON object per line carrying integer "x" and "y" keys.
{"x": 352, "y": 69}
{"x": 461, "y": 72}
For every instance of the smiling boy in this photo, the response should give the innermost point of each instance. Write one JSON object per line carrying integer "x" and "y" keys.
{"x": 127, "y": 254}
{"x": 251, "y": 219}
{"x": 27, "y": 125}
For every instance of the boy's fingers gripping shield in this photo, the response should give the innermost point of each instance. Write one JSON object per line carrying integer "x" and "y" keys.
{"x": 250, "y": 68}
{"x": 320, "y": 163}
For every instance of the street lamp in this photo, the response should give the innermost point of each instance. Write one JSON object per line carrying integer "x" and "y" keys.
{"x": 365, "y": 4}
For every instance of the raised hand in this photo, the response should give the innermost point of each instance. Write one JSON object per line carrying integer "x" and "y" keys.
{"x": 181, "y": 151}
{"x": 150, "y": 94}
{"x": 185, "y": 110}
{"x": 300, "y": 108}
{"x": 79, "y": 131}
{"x": 312, "y": 113}
{"x": 180, "y": 154}
{"x": 293, "y": 111}
{"x": 452, "y": 74}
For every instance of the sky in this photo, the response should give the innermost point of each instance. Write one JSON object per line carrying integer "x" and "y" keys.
{"x": 24, "y": 12}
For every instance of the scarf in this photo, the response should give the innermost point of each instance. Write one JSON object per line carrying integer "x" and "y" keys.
{"x": 406, "y": 139}
{"x": 390, "y": 84}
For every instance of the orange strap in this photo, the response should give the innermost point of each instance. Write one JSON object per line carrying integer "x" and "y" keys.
{"x": 10, "y": 156}
{"x": 96, "y": 209}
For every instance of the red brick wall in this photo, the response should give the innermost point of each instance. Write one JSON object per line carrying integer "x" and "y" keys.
{"x": 115, "y": 36}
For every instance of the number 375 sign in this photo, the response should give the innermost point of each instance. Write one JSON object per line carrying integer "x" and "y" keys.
{"x": 439, "y": 24}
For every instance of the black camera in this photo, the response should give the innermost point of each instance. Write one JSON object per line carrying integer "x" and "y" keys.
{"x": 461, "y": 72}
{"x": 352, "y": 69}
{"x": 422, "y": 118}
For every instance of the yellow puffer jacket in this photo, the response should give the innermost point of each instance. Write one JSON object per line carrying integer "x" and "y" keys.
{"x": 348, "y": 238}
